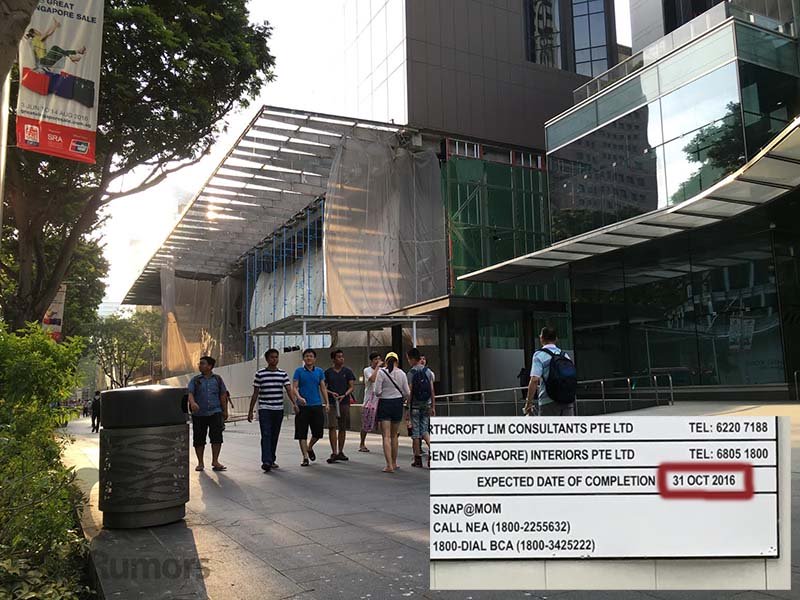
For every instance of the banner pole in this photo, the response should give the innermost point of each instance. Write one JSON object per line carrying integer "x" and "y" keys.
{"x": 5, "y": 101}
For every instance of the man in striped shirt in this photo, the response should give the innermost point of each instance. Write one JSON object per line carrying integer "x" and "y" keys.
{"x": 268, "y": 386}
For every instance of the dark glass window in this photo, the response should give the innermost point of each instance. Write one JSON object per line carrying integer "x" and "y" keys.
{"x": 589, "y": 34}
{"x": 543, "y": 34}
{"x": 769, "y": 100}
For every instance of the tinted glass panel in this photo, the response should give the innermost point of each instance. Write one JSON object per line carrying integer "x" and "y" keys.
{"x": 629, "y": 95}
{"x": 703, "y": 101}
{"x": 694, "y": 60}
{"x": 581, "y": 32}
{"x": 769, "y": 100}
{"x": 766, "y": 49}
{"x": 608, "y": 175}
{"x": 572, "y": 126}
{"x": 597, "y": 23}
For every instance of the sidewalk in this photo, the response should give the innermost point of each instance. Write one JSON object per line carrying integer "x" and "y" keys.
{"x": 344, "y": 531}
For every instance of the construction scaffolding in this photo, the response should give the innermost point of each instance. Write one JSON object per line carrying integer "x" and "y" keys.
{"x": 285, "y": 276}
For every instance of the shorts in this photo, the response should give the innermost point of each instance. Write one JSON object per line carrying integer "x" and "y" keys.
{"x": 341, "y": 422}
{"x": 211, "y": 425}
{"x": 554, "y": 409}
{"x": 390, "y": 409}
{"x": 420, "y": 422}
{"x": 309, "y": 417}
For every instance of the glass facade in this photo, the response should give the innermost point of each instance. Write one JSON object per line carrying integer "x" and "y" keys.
{"x": 703, "y": 305}
{"x": 543, "y": 32}
{"x": 672, "y": 131}
{"x": 589, "y": 37}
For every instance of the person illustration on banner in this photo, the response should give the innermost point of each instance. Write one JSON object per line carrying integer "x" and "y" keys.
{"x": 49, "y": 59}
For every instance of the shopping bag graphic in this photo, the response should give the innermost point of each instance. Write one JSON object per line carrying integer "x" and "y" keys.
{"x": 84, "y": 92}
{"x": 63, "y": 85}
{"x": 35, "y": 81}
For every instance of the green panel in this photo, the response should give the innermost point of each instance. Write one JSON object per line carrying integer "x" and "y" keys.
{"x": 767, "y": 49}
{"x": 696, "y": 59}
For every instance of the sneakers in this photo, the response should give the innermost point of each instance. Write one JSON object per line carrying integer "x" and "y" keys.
{"x": 417, "y": 462}
{"x": 265, "y": 467}
{"x": 341, "y": 456}
{"x": 333, "y": 458}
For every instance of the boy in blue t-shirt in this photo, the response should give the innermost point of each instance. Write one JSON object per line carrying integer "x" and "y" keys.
{"x": 310, "y": 404}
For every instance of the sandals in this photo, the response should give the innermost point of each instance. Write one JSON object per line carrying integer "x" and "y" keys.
{"x": 333, "y": 458}
{"x": 199, "y": 468}
{"x": 364, "y": 449}
{"x": 388, "y": 470}
{"x": 305, "y": 463}
{"x": 341, "y": 456}
{"x": 219, "y": 468}
{"x": 311, "y": 454}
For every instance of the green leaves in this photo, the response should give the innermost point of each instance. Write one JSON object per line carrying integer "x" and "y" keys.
{"x": 122, "y": 344}
{"x": 42, "y": 551}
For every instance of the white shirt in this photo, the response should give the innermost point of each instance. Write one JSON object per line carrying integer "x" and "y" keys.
{"x": 384, "y": 388}
{"x": 368, "y": 385}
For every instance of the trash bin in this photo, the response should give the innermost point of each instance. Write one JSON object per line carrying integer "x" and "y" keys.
{"x": 144, "y": 456}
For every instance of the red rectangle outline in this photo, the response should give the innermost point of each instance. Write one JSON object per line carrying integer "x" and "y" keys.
{"x": 718, "y": 467}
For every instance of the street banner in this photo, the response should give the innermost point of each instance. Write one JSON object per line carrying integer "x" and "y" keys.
{"x": 54, "y": 317}
{"x": 59, "y": 66}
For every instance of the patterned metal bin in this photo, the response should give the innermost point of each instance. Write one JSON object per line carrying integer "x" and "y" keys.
{"x": 144, "y": 456}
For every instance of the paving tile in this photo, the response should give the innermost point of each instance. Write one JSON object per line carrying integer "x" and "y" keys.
{"x": 262, "y": 536}
{"x": 303, "y": 520}
{"x": 307, "y": 555}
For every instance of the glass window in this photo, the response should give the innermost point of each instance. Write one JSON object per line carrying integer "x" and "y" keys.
{"x": 769, "y": 101}
{"x": 543, "y": 32}
{"x": 736, "y": 303}
{"x": 766, "y": 49}
{"x": 581, "y": 32}
{"x": 599, "y": 67}
{"x": 584, "y": 69}
{"x": 599, "y": 53}
{"x": 595, "y": 6}
{"x": 597, "y": 24}
{"x": 583, "y": 56}
{"x": 703, "y": 101}
{"x": 696, "y": 161}
{"x": 696, "y": 59}
{"x": 580, "y": 8}
{"x": 572, "y": 126}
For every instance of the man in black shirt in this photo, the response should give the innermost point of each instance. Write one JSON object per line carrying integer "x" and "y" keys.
{"x": 339, "y": 380}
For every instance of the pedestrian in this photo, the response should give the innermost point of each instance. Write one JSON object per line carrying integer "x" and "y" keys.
{"x": 86, "y": 405}
{"x": 424, "y": 362}
{"x": 311, "y": 402}
{"x": 339, "y": 380}
{"x": 391, "y": 387}
{"x": 268, "y": 386}
{"x": 553, "y": 378}
{"x": 421, "y": 405}
{"x": 370, "y": 408}
{"x": 96, "y": 410}
{"x": 208, "y": 403}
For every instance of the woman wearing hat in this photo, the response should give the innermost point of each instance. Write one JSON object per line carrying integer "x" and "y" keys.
{"x": 391, "y": 387}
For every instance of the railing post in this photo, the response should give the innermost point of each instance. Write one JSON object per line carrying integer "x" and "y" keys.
{"x": 655, "y": 387}
{"x": 603, "y": 394}
{"x": 671, "y": 390}
{"x": 483, "y": 402}
{"x": 630, "y": 394}
{"x": 796, "y": 388}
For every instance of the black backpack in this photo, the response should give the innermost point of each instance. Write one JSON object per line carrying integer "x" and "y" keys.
{"x": 420, "y": 387}
{"x": 562, "y": 378}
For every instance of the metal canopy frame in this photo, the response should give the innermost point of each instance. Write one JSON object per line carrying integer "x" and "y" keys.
{"x": 305, "y": 325}
{"x": 276, "y": 169}
{"x": 773, "y": 172}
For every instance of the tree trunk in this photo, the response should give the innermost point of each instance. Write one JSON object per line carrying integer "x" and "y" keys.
{"x": 15, "y": 16}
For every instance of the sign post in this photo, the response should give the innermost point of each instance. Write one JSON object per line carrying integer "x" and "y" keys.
{"x": 604, "y": 488}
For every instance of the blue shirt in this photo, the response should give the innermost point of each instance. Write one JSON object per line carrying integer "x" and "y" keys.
{"x": 308, "y": 384}
{"x": 207, "y": 393}
{"x": 540, "y": 368}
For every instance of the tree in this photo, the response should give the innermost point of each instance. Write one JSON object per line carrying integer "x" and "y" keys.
{"x": 15, "y": 15}
{"x": 123, "y": 343}
{"x": 172, "y": 70}
{"x": 85, "y": 288}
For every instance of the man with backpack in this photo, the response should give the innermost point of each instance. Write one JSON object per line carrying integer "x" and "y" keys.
{"x": 421, "y": 405}
{"x": 554, "y": 379}
{"x": 208, "y": 402}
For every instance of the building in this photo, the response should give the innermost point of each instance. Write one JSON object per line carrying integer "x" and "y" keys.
{"x": 674, "y": 201}
{"x": 368, "y": 220}
{"x": 651, "y": 20}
